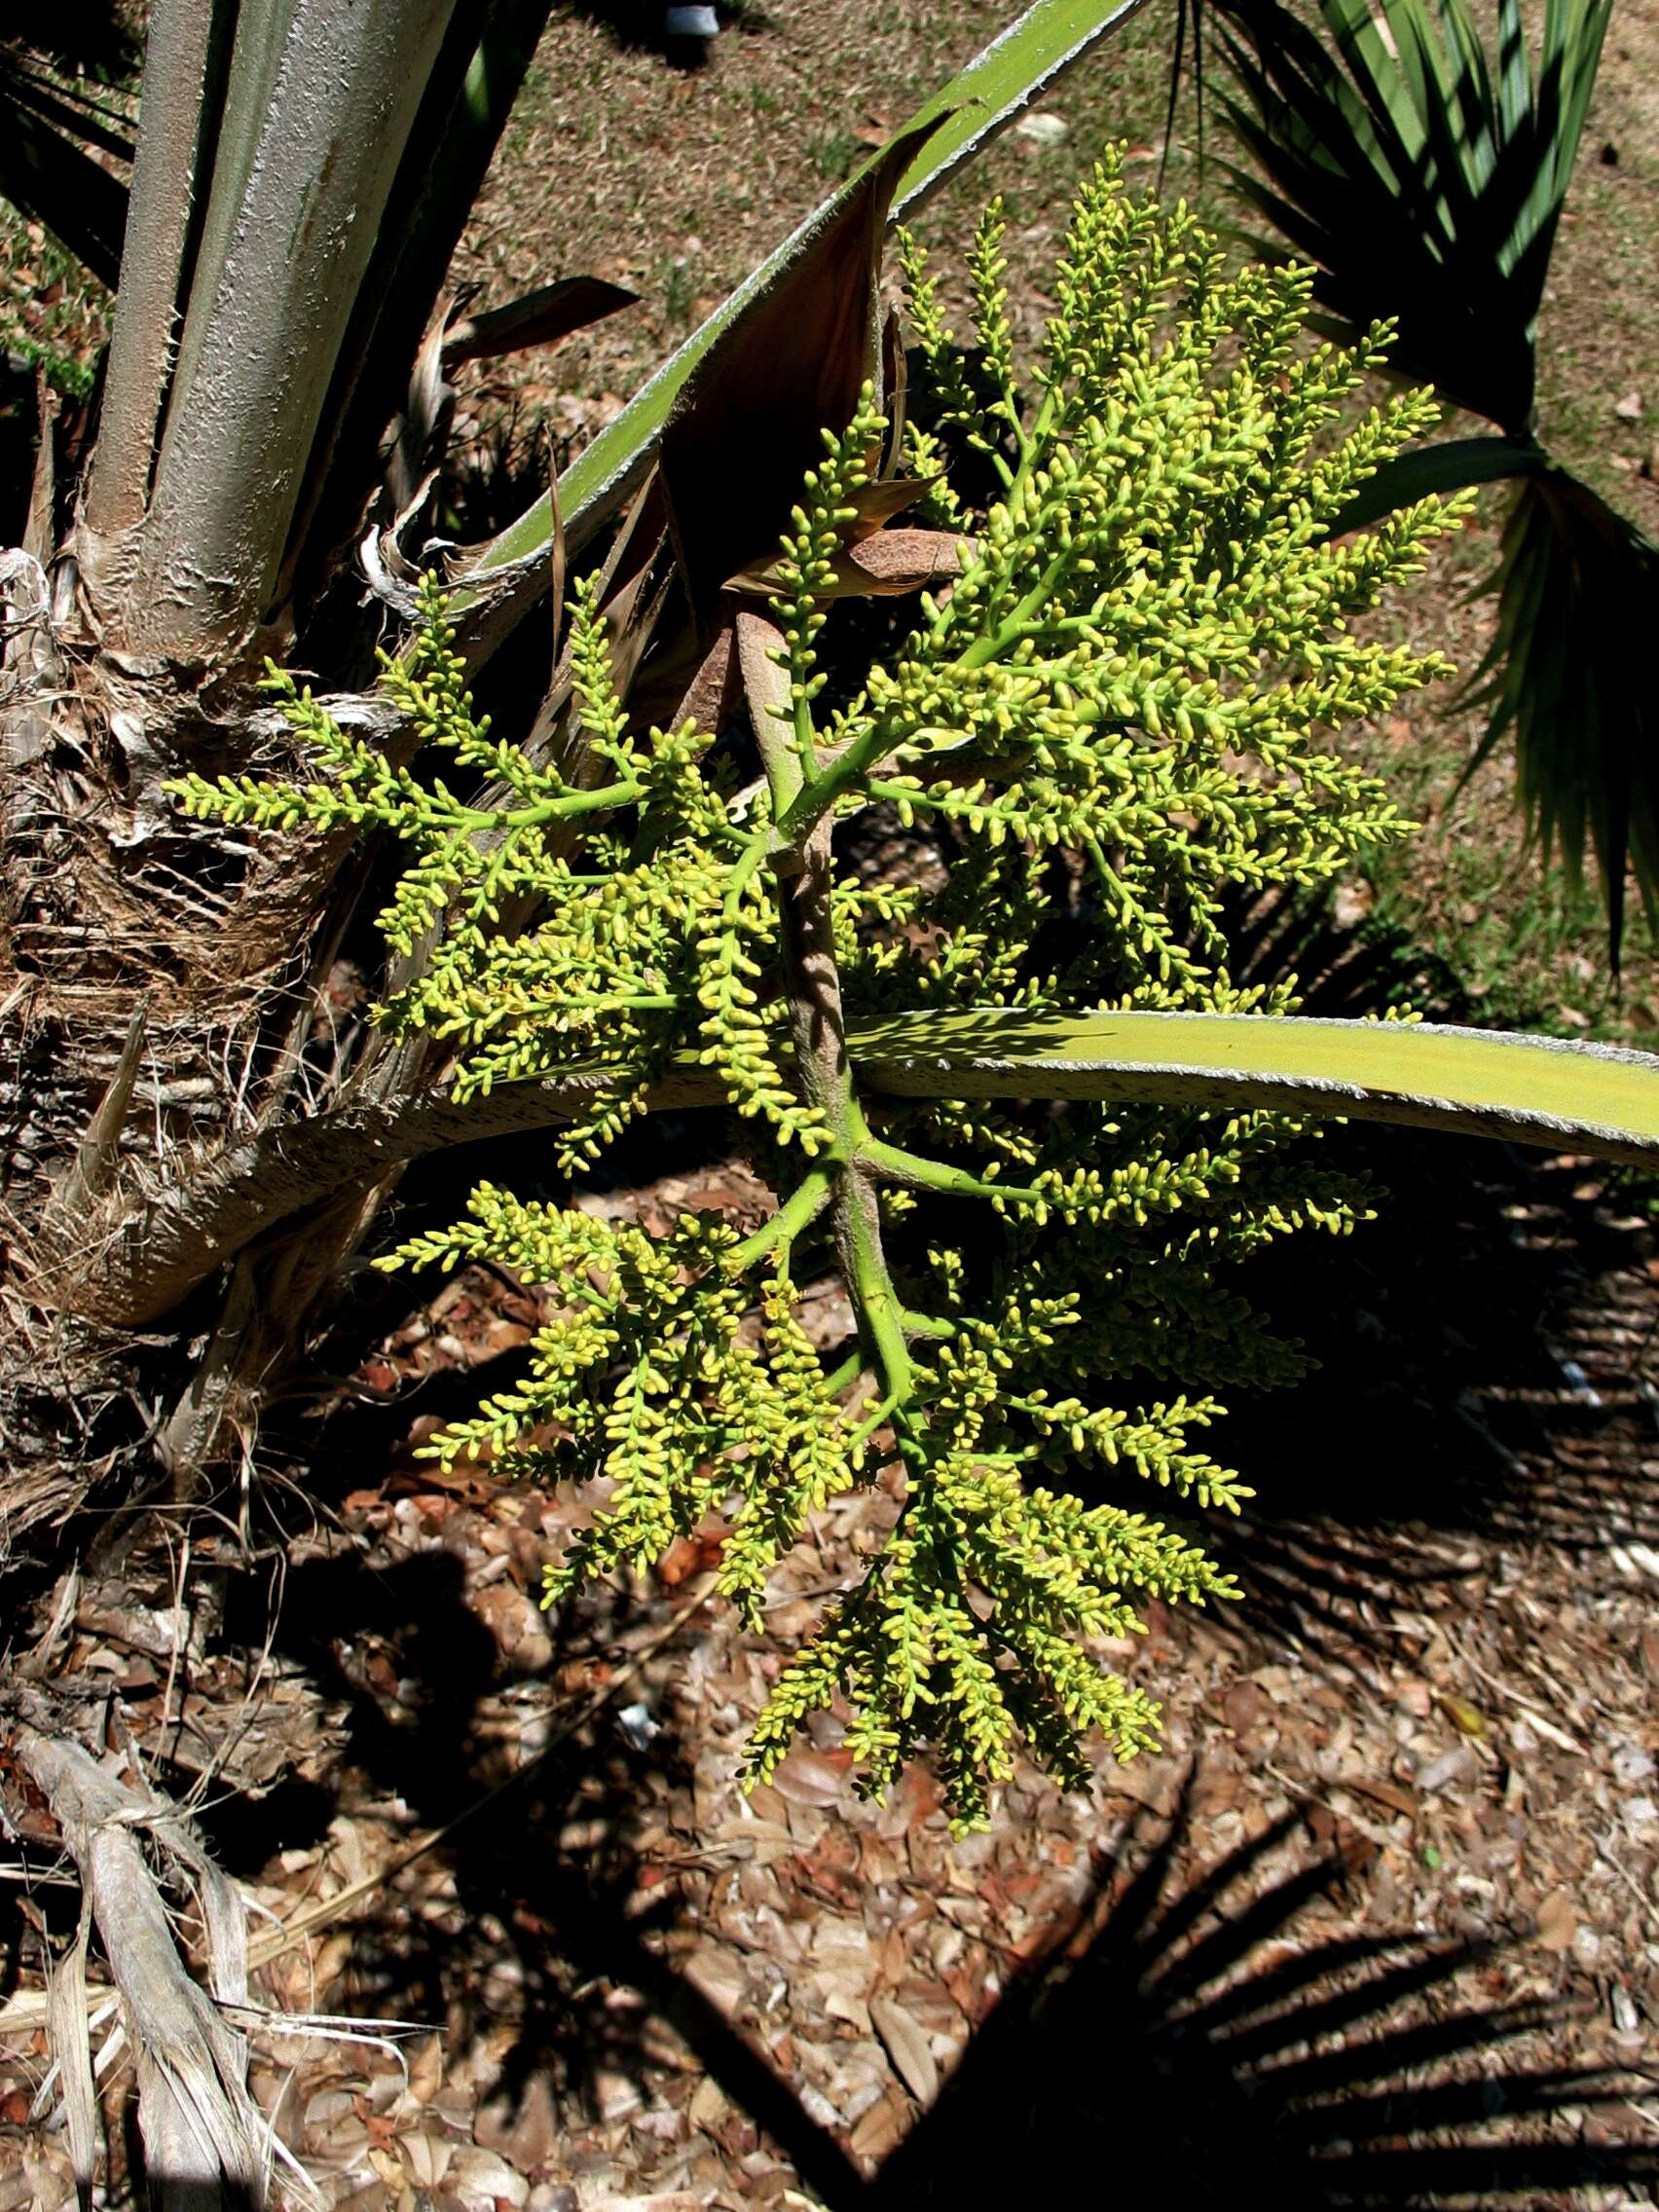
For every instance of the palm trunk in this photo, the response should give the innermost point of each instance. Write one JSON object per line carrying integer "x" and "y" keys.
{"x": 318, "y": 110}
{"x": 160, "y": 207}
{"x": 261, "y": 305}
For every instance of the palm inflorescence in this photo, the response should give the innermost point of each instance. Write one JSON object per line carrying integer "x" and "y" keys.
{"x": 1117, "y": 710}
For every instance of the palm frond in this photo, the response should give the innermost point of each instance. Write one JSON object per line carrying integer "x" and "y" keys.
{"x": 1423, "y": 182}
{"x": 1570, "y": 673}
{"x": 1424, "y": 1075}
{"x": 52, "y": 125}
{"x": 1455, "y": 465}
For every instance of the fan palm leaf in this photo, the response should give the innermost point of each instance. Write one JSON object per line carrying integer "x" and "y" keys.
{"x": 1424, "y": 184}
{"x": 1423, "y": 176}
{"x": 1567, "y": 672}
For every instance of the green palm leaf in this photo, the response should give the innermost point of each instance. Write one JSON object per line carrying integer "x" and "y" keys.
{"x": 1428, "y": 471}
{"x": 1473, "y": 1082}
{"x": 1570, "y": 674}
{"x": 1476, "y": 1081}
{"x": 1424, "y": 184}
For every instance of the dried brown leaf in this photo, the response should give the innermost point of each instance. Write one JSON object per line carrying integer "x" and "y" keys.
{"x": 711, "y": 693}
{"x": 881, "y": 2130}
{"x": 896, "y": 560}
{"x": 808, "y": 1778}
{"x": 540, "y": 318}
{"x": 908, "y": 2048}
{"x": 1557, "y": 1922}
{"x": 71, "y": 2046}
{"x": 876, "y": 503}
{"x": 718, "y": 1974}
{"x": 1382, "y": 1793}
{"x": 882, "y": 566}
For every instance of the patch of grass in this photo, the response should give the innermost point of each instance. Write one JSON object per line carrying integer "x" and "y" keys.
{"x": 832, "y": 154}
{"x": 64, "y": 372}
{"x": 53, "y": 315}
{"x": 678, "y": 292}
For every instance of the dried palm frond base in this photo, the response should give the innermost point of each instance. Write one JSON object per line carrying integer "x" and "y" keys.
{"x": 205, "y": 2141}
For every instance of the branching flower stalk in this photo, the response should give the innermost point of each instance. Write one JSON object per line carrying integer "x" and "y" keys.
{"x": 1116, "y": 712}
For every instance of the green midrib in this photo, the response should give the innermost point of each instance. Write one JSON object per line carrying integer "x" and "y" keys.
{"x": 1476, "y": 1073}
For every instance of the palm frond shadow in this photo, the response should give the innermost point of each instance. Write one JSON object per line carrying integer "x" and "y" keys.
{"x": 537, "y": 1920}
{"x": 519, "y": 1868}
{"x": 1202, "y": 2040}
{"x": 1356, "y": 2068}
{"x": 1189, "y": 2030}
{"x": 55, "y": 121}
{"x": 1448, "y": 1407}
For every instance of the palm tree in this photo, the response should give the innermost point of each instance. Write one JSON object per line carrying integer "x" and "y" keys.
{"x": 183, "y": 1182}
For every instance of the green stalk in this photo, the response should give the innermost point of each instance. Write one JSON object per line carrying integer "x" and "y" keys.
{"x": 818, "y": 797}
{"x": 875, "y": 1300}
{"x": 915, "y": 1168}
{"x": 997, "y": 643}
{"x": 814, "y": 983}
{"x": 564, "y": 809}
{"x": 802, "y": 1209}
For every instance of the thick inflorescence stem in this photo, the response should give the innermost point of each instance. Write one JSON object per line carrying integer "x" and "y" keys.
{"x": 783, "y": 728}
{"x": 814, "y": 985}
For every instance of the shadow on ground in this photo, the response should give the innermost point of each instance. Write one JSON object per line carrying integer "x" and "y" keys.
{"x": 1486, "y": 1353}
{"x": 1487, "y": 1348}
{"x": 550, "y": 1917}
{"x": 1188, "y": 2029}
{"x": 1195, "y": 2042}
